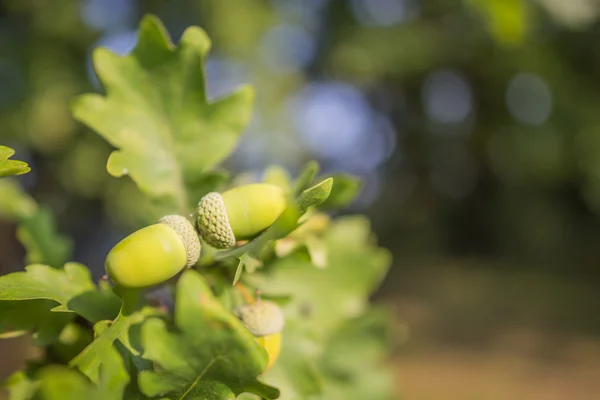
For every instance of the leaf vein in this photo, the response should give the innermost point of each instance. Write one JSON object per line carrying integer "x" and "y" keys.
{"x": 200, "y": 375}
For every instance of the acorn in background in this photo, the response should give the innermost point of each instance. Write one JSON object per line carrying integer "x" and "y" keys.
{"x": 265, "y": 320}
{"x": 238, "y": 214}
{"x": 154, "y": 254}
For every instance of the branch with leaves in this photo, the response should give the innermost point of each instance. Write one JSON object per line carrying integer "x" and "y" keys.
{"x": 312, "y": 333}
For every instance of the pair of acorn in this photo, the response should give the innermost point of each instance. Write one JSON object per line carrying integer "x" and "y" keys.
{"x": 158, "y": 252}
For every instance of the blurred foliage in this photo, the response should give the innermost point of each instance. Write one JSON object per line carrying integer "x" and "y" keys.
{"x": 500, "y": 156}
{"x": 488, "y": 110}
{"x": 36, "y": 231}
{"x": 120, "y": 345}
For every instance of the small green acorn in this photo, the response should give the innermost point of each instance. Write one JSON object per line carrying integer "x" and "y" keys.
{"x": 265, "y": 321}
{"x": 154, "y": 254}
{"x": 240, "y": 213}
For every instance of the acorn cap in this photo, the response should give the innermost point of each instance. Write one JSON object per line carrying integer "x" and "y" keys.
{"x": 186, "y": 232}
{"x": 262, "y": 318}
{"x": 213, "y": 223}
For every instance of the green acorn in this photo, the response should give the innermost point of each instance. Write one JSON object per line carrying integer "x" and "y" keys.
{"x": 238, "y": 214}
{"x": 154, "y": 254}
{"x": 265, "y": 320}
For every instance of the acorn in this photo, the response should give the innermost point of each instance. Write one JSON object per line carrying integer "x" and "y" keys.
{"x": 264, "y": 319}
{"x": 154, "y": 254}
{"x": 238, "y": 214}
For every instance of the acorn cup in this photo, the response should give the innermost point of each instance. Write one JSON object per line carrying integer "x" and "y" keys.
{"x": 264, "y": 319}
{"x": 154, "y": 254}
{"x": 238, "y": 214}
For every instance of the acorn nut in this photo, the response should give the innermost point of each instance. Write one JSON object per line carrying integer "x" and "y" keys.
{"x": 264, "y": 319}
{"x": 238, "y": 214}
{"x": 154, "y": 254}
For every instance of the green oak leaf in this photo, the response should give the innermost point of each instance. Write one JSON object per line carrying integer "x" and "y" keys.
{"x": 315, "y": 195}
{"x": 345, "y": 189}
{"x": 20, "y": 317}
{"x": 36, "y": 227}
{"x": 157, "y": 116}
{"x": 71, "y": 341}
{"x": 211, "y": 355}
{"x": 106, "y": 333}
{"x": 353, "y": 362}
{"x": 60, "y": 383}
{"x": 324, "y": 297}
{"x": 348, "y": 365}
{"x": 296, "y": 371}
{"x": 358, "y": 341}
{"x": 307, "y": 175}
{"x": 94, "y": 356}
{"x": 11, "y": 167}
{"x": 71, "y": 287}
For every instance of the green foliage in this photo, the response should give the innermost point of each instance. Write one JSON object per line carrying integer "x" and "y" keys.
{"x": 322, "y": 298}
{"x": 157, "y": 116}
{"x": 344, "y": 191}
{"x": 20, "y": 386}
{"x": 212, "y": 354}
{"x": 36, "y": 227}
{"x": 70, "y": 287}
{"x": 113, "y": 343}
{"x": 11, "y": 167}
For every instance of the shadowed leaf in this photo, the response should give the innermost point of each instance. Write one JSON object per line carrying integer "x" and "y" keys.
{"x": 210, "y": 356}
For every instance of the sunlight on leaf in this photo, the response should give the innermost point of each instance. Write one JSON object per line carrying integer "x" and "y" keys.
{"x": 324, "y": 297}
{"x": 11, "y": 167}
{"x": 71, "y": 287}
{"x": 156, "y": 113}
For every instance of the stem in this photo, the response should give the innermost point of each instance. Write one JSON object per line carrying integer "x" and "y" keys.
{"x": 245, "y": 293}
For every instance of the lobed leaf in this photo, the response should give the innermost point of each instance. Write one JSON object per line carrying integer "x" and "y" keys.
{"x": 61, "y": 383}
{"x": 325, "y": 297}
{"x": 20, "y": 317}
{"x": 132, "y": 314}
{"x": 71, "y": 287}
{"x": 353, "y": 363}
{"x": 95, "y": 355}
{"x": 157, "y": 116}
{"x": 296, "y": 371}
{"x": 210, "y": 356}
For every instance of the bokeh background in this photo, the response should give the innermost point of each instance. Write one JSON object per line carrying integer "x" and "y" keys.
{"x": 475, "y": 125}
